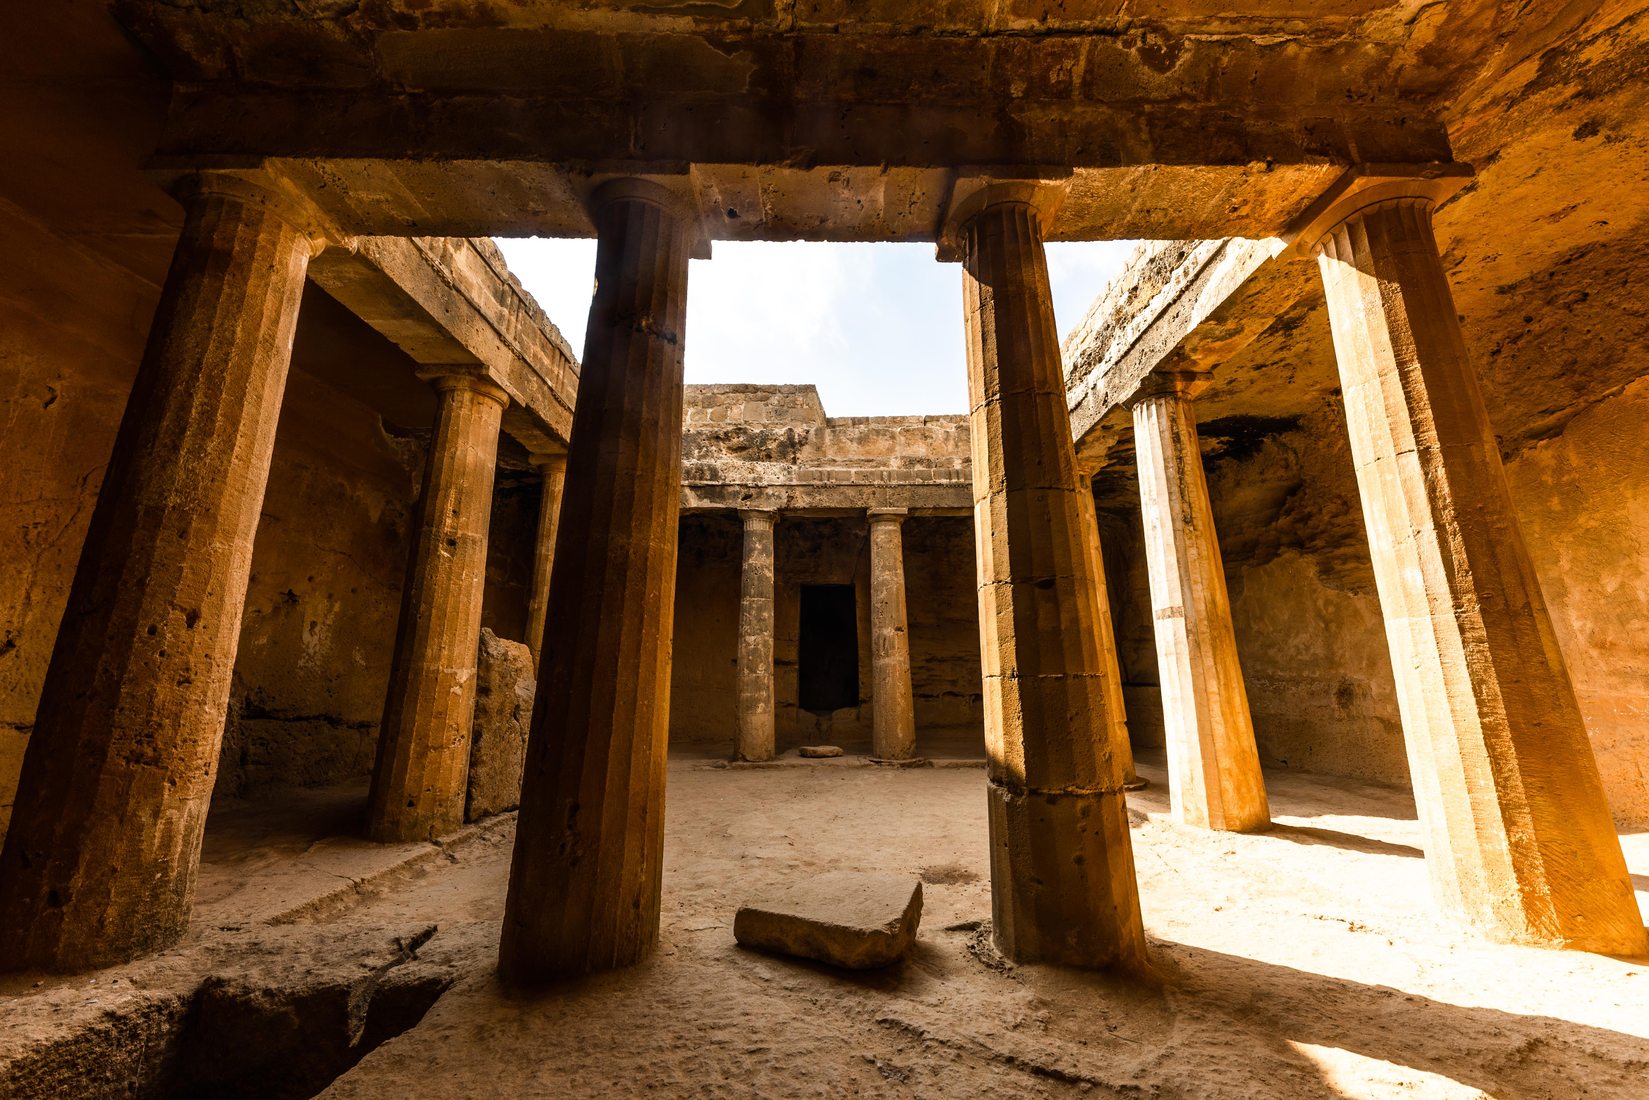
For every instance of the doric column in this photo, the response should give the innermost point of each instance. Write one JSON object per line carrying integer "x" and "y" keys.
{"x": 1518, "y": 835}
{"x": 755, "y": 720}
{"x": 424, "y": 741}
{"x": 554, "y": 471}
{"x": 1116, "y": 710}
{"x": 1213, "y": 765}
{"x": 893, "y": 714}
{"x": 99, "y": 864}
{"x": 584, "y": 883}
{"x": 1062, "y": 867}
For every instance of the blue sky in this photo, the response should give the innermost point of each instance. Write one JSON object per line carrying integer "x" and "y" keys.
{"x": 877, "y": 327}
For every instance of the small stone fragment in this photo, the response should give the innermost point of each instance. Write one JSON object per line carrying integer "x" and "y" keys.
{"x": 819, "y": 752}
{"x": 853, "y": 919}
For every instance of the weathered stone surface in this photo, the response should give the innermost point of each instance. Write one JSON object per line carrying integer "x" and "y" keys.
{"x": 1213, "y": 765}
{"x": 1518, "y": 835}
{"x": 99, "y": 861}
{"x": 585, "y": 877}
{"x": 505, "y": 680}
{"x": 418, "y": 785}
{"x": 755, "y": 716}
{"x": 893, "y": 716}
{"x": 1056, "y": 779}
{"x": 852, "y": 919}
{"x": 553, "y": 469}
{"x": 773, "y": 448}
{"x": 819, "y": 752}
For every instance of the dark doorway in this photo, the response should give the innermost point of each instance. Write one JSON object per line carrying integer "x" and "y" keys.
{"x": 828, "y": 652}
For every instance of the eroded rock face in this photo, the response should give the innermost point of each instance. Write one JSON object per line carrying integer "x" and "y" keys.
{"x": 504, "y": 686}
{"x": 852, "y": 919}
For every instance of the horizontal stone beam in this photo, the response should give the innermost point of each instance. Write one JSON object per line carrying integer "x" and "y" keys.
{"x": 953, "y": 497}
{"x": 1178, "y": 305}
{"x": 452, "y": 302}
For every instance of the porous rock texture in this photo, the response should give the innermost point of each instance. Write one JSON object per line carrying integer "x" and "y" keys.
{"x": 504, "y": 684}
{"x": 856, "y": 920}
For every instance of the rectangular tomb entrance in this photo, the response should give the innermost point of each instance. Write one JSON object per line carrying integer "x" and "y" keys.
{"x": 828, "y": 649}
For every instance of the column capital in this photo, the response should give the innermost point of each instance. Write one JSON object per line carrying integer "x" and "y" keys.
{"x": 1088, "y": 464}
{"x": 1043, "y": 190}
{"x": 262, "y": 189}
{"x": 673, "y": 195}
{"x": 545, "y": 462}
{"x": 1184, "y": 384}
{"x": 1370, "y": 185}
{"x": 887, "y": 515}
{"x": 459, "y": 377}
{"x": 757, "y": 516}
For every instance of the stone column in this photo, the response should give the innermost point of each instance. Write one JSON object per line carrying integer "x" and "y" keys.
{"x": 1214, "y": 776}
{"x": 424, "y": 742}
{"x": 584, "y": 882}
{"x": 755, "y": 721}
{"x": 1518, "y": 835}
{"x": 554, "y": 471}
{"x": 99, "y": 863}
{"x": 1115, "y": 706}
{"x": 893, "y": 713}
{"x": 1062, "y": 867}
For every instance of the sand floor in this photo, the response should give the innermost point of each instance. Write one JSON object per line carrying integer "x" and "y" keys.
{"x": 1306, "y": 961}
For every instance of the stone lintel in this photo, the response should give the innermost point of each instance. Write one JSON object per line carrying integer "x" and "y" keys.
{"x": 449, "y": 302}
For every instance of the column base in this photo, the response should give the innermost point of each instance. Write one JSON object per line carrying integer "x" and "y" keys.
{"x": 1062, "y": 879}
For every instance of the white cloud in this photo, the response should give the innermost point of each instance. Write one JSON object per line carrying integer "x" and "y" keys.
{"x": 878, "y": 328}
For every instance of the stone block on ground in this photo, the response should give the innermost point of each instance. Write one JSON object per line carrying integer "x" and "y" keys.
{"x": 819, "y": 752}
{"x": 852, "y": 919}
{"x": 504, "y": 684}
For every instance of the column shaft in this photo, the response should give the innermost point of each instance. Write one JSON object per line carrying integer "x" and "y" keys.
{"x": 584, "y": 882}
{"x": 755, "y": 702}
{"x": 1116, "y": 711}
{"x": 1518, "y": 834}
{"x": 893, "y": 714}
{"x": 1062, "y": 869}
{"x": 1213, "y": 764}
{"x": 554, "y": 470}
{"x": 100, "y": 860}
{"x": 424, "y": 741}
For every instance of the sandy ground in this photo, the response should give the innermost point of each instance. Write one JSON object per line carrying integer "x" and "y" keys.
{"x": 1307, "y": 961}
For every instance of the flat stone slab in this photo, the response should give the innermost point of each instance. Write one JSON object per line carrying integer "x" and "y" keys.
{"x": 853, "y": 919}
{"x": 819, "y": 752}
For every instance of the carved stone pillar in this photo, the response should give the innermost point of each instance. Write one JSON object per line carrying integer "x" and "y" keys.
{"x": 424, "y": 741}
{"x": 755, "y": 718}
{"x": 553, "y": 468}
{"x": 893, "y": 714}
{"x": 100, "y": 860}
{"x": 1062, "y": 868}
{"x": 1116, "y": 710}
{"x": 1213, "y": 765}
{"x": 584, "y": 882}
{"x": 1518, "y": 835}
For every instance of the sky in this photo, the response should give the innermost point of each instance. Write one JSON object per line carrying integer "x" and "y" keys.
{"x": 877, "y": 327}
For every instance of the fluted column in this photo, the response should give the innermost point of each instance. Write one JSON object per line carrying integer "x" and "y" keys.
{"x": 1518, "y": 835}
{"x": 1116, "y": 710}
{"x": 553, "y": 468}
{"x": 1062, "y": 868}
{"x": 755, "y": 702}
{"x": 1214, "y": 776}
{"x": 424, "y": 742}
{"x": 100, "y": 860}
{"x": 893, "y": 714}
{"x": 584, "y": 882}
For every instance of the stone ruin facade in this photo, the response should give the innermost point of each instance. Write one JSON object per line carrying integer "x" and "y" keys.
{"x": 1339, "y": 482}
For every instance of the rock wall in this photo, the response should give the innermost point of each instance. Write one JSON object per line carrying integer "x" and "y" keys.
{"x": 1583, "y": 498}
{"x": 942, "y": 615}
